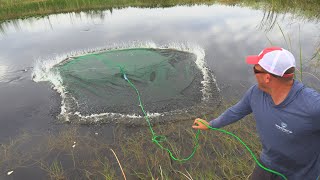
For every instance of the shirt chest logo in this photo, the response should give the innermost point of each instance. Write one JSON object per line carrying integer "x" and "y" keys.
{"x": 283, "y": 128}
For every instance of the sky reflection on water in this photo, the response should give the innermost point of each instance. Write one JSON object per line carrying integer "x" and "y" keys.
{"x": 226, "y": 33}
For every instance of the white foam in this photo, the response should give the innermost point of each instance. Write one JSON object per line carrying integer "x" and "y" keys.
{"x": 43, "y": 71}
{"x": 133, "y": 116}
{"x": 200, "y": 61}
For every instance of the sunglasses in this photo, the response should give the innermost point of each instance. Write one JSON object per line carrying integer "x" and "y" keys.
{"x": 256, "y": 71}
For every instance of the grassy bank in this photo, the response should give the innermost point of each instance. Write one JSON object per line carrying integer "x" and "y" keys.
{"x": 70, "y": 154}
{"x": 12, "y": 9}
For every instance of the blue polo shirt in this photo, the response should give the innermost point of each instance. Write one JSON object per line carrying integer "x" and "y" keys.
{"x": 289, "y": 132}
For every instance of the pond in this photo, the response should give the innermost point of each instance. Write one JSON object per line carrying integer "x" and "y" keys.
{"x": 222, "y": 35}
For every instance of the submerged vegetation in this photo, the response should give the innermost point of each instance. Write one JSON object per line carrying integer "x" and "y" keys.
{"x": 70, "y": 154}
{"x": 12, "y": 9}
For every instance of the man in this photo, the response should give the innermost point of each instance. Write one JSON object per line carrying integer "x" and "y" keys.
{"x": 287, "y": 118}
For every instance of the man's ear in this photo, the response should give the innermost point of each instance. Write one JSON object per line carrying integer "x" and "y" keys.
{"x": 267, "y": 78}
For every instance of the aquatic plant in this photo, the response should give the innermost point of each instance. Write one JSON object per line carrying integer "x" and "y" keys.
{"x": 218, "y": 156}
{"x": 12, "y": 9}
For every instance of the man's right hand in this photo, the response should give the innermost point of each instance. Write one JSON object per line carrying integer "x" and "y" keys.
{"x": 200, "y": 124}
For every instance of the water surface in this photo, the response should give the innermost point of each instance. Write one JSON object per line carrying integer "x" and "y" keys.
{"x": 224, "y": 34}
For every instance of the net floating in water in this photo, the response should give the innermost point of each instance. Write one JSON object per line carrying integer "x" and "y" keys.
{"x": 169, "y": 82}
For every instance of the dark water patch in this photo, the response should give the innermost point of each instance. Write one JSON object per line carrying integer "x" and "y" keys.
{"x": 15, "y": 76}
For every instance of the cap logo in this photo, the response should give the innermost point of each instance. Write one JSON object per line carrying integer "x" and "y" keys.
{"x": 284, "y": 125}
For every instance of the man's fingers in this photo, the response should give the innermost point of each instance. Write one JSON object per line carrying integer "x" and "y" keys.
{"x": 196, "y": 127}
{"x": 199, "y": 124}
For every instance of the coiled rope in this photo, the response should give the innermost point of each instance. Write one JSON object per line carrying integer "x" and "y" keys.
{"x": 157, "y": 139}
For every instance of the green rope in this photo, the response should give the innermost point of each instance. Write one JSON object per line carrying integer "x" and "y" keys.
{"x": 159, "y": 138}
{"x": 252, "y": 154}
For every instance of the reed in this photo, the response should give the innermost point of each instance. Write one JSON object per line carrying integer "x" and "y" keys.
{"x": 304, "y": 66}
{"x": 55, "y": 170}
{"x": 218, "y": 157}
{"x": 12, "y": 9}
{"x": 12, "y": 154}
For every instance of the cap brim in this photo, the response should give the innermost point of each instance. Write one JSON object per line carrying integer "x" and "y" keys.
{"x": 252, "y": 59}
{"x": 288, "y": 75}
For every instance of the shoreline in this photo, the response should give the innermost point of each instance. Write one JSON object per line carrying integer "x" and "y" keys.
{"x": 17, "y": 10}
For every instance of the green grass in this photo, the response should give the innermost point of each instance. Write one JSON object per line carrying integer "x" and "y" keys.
{"x": 54, "y": 170}
{"x": 218, "y": 157}
{"x": 18, "y": 8}
{"x": 305, "y": 67}
{"x": 12, "y": 9}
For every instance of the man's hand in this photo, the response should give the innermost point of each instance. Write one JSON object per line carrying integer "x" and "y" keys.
{"x": 200, "y": 124}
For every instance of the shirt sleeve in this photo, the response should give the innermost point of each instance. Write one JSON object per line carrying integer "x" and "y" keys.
{"x": 315, "y": 109}
{"x": 234, "y": 113}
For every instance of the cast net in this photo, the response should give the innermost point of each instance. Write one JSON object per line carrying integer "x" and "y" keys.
{"x": 167, "y": 79}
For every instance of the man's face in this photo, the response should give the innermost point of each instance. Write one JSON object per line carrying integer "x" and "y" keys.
{"x": 261, "y": 76}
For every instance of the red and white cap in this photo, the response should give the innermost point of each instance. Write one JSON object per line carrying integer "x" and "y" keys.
{"x": 275, "y": 60}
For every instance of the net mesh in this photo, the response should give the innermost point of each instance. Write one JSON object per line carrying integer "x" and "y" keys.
{"x": 167, "y": 80}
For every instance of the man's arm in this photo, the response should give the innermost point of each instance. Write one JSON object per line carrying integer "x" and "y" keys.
{"x": 234, "y": 113}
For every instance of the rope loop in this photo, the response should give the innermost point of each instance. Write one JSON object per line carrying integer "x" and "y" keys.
{"x": 159, "y": 138}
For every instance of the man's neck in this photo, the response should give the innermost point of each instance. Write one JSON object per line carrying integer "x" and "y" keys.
{"x": 280, "y": 92}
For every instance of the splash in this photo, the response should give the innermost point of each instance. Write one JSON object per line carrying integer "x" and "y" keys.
{"x": 44, "y": 70}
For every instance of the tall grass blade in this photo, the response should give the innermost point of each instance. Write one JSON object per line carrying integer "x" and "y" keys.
{"x": 124, "y": 175}
{"x": 285, "y": 39}
{"x": 300, "y": 55}
{"x": 271, "y": 44}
